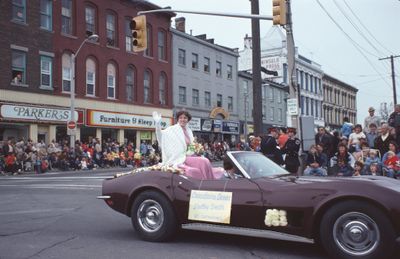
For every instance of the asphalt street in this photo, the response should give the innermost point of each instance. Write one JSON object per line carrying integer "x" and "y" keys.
{"x": 57, "y": 215}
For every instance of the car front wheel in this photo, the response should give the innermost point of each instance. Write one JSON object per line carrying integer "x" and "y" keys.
{"x": 153, "y": 217}
{"x": 357, "y": 229}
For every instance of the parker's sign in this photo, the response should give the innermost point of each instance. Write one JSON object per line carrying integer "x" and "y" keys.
{"x": 122, "y": 120}
{"x": 36, "y": 113}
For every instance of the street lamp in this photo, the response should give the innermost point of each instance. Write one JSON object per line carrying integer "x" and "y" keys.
{"x": 91, "y": 38}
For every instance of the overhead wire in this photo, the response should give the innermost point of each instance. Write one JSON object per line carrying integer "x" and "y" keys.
{"x": 355, "y": 44}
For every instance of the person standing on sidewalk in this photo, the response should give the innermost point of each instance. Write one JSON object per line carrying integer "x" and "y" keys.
{"x": 291, "y": 149}
{"x": 371, "y": 118}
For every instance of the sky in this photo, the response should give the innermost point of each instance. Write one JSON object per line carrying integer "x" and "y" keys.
{"x": 346, "y": 37}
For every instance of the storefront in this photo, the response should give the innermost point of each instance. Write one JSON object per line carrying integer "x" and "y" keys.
{"x": 123, "y": 126}
{"x": 27, "y": 121}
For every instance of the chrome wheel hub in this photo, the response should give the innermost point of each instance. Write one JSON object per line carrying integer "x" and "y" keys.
{"x": 356, "y": 233}
{"x": 150, "y": 215}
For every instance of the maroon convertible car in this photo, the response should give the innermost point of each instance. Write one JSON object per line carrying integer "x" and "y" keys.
{"x": 356, "y": 217}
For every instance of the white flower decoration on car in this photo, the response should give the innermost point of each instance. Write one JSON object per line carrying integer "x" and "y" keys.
{"x": 274, "y": 217}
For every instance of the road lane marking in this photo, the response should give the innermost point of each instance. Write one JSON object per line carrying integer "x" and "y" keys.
{"x": 36, "y": 211}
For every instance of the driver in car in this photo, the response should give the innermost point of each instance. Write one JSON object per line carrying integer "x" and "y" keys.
{"x": 230, "y": 170}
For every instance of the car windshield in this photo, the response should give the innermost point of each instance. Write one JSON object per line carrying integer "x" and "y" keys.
{"x": 256, "y": 165}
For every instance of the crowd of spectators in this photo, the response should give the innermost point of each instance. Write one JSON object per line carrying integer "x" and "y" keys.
{"x": 17, "y": 157}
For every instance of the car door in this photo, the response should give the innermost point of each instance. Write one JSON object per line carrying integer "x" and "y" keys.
{"x": 246, "y": 207}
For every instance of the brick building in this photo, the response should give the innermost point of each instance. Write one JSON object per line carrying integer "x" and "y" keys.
{"x": 116, "y": 90}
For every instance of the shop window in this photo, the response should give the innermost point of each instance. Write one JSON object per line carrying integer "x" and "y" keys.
{"x": 18, "y": 73}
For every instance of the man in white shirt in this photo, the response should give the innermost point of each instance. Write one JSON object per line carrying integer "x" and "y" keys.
{"x": 371, "y": 118}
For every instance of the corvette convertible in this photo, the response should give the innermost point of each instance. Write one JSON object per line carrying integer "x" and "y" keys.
{"x": 353, "y": 217}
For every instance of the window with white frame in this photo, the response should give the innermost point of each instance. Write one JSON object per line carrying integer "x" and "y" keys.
{"x": 219, "y": 100}
{"x": 66, "y": 72}
{"x": 147, "y": 86}
{"x": 130, "y": 83}
{"x": 161, "y": 45}
{"x": 182, "y": 57}
{"x": 111, "y": 76}
{"x": 90, "y": 77}
{"x": 46, "y": 7}
{"x": 230, "y": 103}
{"x": 207, "y": 99}
{"x": 182, "y": 95}
{"x": 218, "y": 69}
{"x": 195, "y": 61}
{"x": 162, "y": 86}
{"x": 90, "y": 18}
{"x": 19, "y": 10}
{"x": 46, "y": 71}
{"x": 206, "y": 65}
{"x": 66, "y": 16}
{"x": 110, "y": 30}
{"x": 18, "y": 73}
{"x": 229, "y": 71}
{"x": 128, "y": 35}
{"x": 195, "y": 97}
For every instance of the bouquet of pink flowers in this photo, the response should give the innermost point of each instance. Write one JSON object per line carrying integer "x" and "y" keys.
{"x": 195, "y": 148}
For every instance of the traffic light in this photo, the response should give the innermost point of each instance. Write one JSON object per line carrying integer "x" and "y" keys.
{"x": 139, "y": 33}
{"x": 279, "y": 12}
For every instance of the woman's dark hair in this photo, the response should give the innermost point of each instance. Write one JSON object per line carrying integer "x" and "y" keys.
{"x": 186, "y": 113}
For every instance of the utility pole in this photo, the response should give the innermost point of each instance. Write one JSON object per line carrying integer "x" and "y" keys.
{"x": 391, "y": 57}
{"x": 256, "y": 71}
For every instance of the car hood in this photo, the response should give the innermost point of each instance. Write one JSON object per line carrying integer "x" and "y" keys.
{"x": 380, "y": 181}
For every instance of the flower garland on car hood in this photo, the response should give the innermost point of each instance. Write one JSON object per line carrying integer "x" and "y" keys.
{"x": 162, "y": 168}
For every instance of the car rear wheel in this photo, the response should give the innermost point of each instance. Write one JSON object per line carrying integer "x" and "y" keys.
{"x": 357, "y": 229}
{"x": 153, "y": 217}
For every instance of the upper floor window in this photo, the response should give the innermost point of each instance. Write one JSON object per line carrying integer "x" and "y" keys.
{"x": 162, "y": 86}
{"x": 110, "y": 28}
{"x": 195, "y": 61}
{"x": 130, "y": 83}
{"x": 66, "y": 72}
{"x": 161, "y": 45}
{"x": 207, "y": 99}
{"x": 230, "y": 103}
{"x": 18, "y": 74}
{"x": 182, "y": 95}
{"x": 285, "y": 73}
{"x": 271, "y": 94}
{"x": 218, "y": 70}
{"x": 206, "y": 65}
{"x": 271, "y": 113}
{"x": 195, "y": 97}
{"x": 147, "y": 86}
{"x": 90, "y": 18}
{"x": 111, "y": 77}
{"x": 149, "y": 50}
{"x": 46, "y": 64}
{"x": 128, "y": 35}
{"x": 280, "y": 93}
{"x": 229, "y": 71}
{"x": 46, "y": 14}
{"x": 66, "y": 16}
{"x": 182, "y": 57}
{"x": 19, "y": 10}
{"x": 90, "y": 77}
{"x": 280, "y": 114}
{"x": 219, "y": 100}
